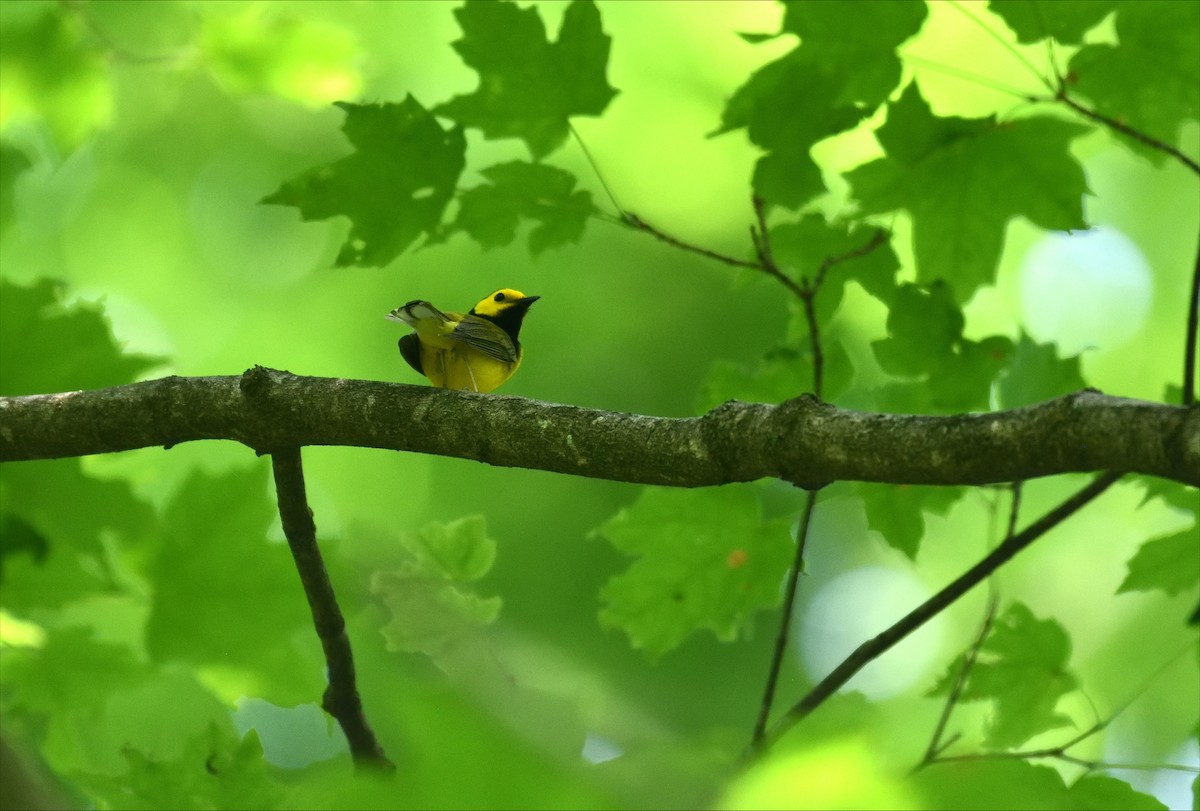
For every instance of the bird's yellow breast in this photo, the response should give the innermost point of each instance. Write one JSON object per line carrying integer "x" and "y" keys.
{"x": 462, "y": 368}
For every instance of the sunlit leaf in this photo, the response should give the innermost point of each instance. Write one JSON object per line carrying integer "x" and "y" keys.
{"x": 705, "y": 559}
{"x": 1170, "y": 563}
{"x": 1037, "y": 374}
{"x": 430, "y": 609}
{"x": 1064, "y": 20}
{"x": 964, "y": 179}
{"x": 1151, "y": 79}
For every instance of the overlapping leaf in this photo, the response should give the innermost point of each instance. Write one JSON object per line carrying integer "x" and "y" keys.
{"x": 394, "y": 187}
{"x": 530, "y": 87}
{"x": 925, "y": 341}
{"x": 546, "y": 194}
{"x": 431, "y": 606}
{"x": 963, "y": 179}
{"x": 1151, "y": 79}
{"x": 808, "y": 95}
{"x": 1022, "y": 669}
{"x": 1037, "y": 374}
{"x": 705, "y": 559}
{"x": 1064, "y": 20}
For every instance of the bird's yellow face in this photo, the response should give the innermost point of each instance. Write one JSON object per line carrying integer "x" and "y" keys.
{"x": 498, "y": 302}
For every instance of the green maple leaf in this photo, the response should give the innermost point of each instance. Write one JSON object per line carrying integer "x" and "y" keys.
{"x": 1064, "y": 20}
{"x": 431, "y": 610}
{"x": 1022, "y": 669}
{"x": 78, "y": 350}
{"x": 1170, "y": 563}
{"x": 1151, "y": 80}
{"x": 783, "y": 373}
{"x": 223, "y": 594}
{"x": 394, "y": 187}
{"x": 705, "y": 559}
{"x": 897, "y": 512}
{"x": 925, "y": 341}
{"x": 490, "y": 213}
{"x": 530, "y": 87}
{"x": 808, "y": 95}
{"x": 963, "y": 179}
{"x": 1037, "y": 374}
{"x": 803, "y": 246}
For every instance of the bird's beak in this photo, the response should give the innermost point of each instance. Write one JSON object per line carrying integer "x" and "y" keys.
{"x": 529, "y": 300}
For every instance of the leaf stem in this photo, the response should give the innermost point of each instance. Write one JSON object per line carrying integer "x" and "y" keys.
{"x": 634, "y": 221}
{"x": 1003, "y": 44}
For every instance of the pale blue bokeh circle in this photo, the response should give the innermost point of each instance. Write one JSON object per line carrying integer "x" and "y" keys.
{"x": 1084, "y": 290}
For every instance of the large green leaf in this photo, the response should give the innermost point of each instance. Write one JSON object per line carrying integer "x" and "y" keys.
{"x": 1064, "y": 20}
{"x": 530, "y": 87}
{"x": 897, "y": 512}
{"x": 225, "y": 596}
{"x": 1151, "y": 79}
{"x": 47, "y": 347}
{"x": 517, "y": 190}
{"x": 705, "y": 559}
{"x": 1038, "y": 374}
{"x": 1170, "y": 563}
{"x": 963, "y": 179}
{"x": 808, "y": 95}
{"x": 1022, "y": 670}
{"x": 431, "y": 609}
{"x": 393, "y": 187}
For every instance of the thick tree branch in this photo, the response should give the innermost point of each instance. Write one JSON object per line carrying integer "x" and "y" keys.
{"x": 801, "y": 441}
{"x": 341, "y": 698}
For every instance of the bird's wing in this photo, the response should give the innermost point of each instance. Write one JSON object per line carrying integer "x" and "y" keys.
{"x": 410, "y": 350}
{"x": 485, "y": 336}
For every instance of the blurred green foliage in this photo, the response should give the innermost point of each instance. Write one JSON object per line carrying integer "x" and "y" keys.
{"x": 155, "y": 647}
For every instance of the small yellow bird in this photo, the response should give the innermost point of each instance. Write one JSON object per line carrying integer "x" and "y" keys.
{"x": 476, "y": 352}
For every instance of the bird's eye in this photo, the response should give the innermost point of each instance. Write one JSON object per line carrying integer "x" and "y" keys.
{"x": 498, "y": 297}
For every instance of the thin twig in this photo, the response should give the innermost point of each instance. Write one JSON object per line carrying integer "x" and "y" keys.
{"x": 874, "y": 648}
{"x": 636, "y": 222}
{"x": 1189, "y": 347}
{"x": 878, "y": 238}
{"x": 936, "y": 746}
{"x": 781, "y": 636}
{"x": 1126, "y": 130}
{"x": 341, "y": 699}
{"x": 596, "y": 168}
{"x": 965, "y": 75}
{"x": 1003, "y": 44}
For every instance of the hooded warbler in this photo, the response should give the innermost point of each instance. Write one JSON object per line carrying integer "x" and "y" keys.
{"x": 476, "y": 352}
